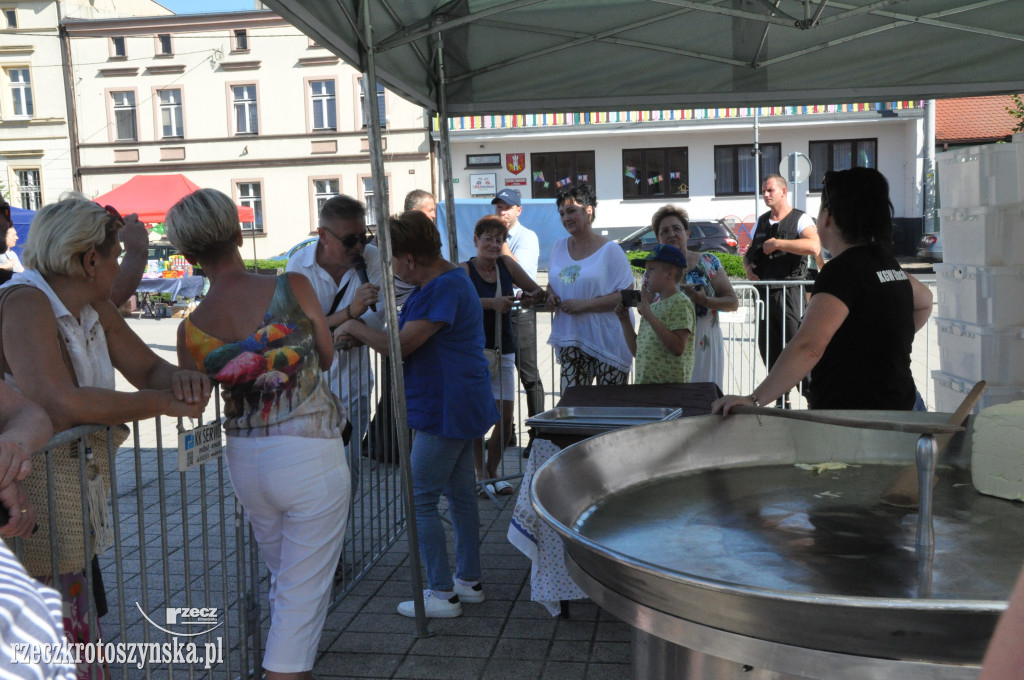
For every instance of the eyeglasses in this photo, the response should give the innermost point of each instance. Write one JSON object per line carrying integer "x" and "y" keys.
{"x": 351, "y": 240}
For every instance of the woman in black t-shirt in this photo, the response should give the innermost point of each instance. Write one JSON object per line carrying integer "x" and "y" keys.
{"x": 856, "y": 335}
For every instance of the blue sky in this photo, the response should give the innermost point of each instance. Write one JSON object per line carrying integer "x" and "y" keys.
{"x": 199, "y": 6}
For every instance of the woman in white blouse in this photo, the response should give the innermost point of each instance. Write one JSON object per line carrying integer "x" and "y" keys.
{"x": 586, "y": 275}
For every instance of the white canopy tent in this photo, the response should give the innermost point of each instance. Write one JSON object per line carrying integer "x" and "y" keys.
{"x": 470, "y": 57}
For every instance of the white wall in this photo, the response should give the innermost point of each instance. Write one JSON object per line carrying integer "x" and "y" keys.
{"x": 899, "y": 149}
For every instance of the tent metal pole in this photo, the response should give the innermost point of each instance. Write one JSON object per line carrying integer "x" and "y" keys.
{"x": 391, "y": 312}
{"x": 929, "y": 166}
{"x": 444, "y": 146}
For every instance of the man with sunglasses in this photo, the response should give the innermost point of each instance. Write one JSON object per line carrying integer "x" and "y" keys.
{"x": 780, "y": 243}
{"x": 331, "y": 266}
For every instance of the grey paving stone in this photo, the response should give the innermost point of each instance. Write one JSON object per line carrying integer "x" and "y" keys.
{"x": 613, "y": 631}
{"x": 334, "y": 665}
{"x": 610, "y": 652}
{"x": 529, "y": 628}
{"x": 569, "y": 629}
{"x": 440, "y": 668}
{"x": 351, "y": 642}
{"x": 564, "y": 670}
{"x": 569, "y": 650}
{"x": 452, "y": 646}
{"x": 500, "y": 669}
{"x": 609, "y": 671}
{"x": 521, "y": 648}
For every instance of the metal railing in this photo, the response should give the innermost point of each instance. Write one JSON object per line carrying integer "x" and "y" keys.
{"x": 181, "y": 539}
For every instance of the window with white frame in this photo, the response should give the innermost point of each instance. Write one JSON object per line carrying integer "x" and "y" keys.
{"x": 10, "y": 17}
{"x": 323, "y": 189}
{"x": 240, "y": 40}
{"x": 736, "y": 166}
{"x": 20, "y": 83}
{"x": 382, "y": 115}
{"x": 250, "y": 194}
{"x": 246, "y": 118}
{"x": 30, "y": 190}
{"x": 118, "y": 48}
{"x": 170, "y": 113}
{"x": 324, "y": 105}
{"x": 371, "y": 207}
{"x": 163, "y": 45}
{"x": 125, "y": 128}
{"x": 840, "y": 154}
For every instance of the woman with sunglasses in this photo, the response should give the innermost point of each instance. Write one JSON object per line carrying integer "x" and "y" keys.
{"x": 266, "y": 343}
{"x": 62, "y": 339}
{"x": 856, "y": 335}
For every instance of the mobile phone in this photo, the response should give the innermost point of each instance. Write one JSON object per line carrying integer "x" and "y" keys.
{"x": 630, "y": 298}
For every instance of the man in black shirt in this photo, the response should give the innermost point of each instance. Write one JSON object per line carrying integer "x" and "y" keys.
{"x": 782, "y": 239}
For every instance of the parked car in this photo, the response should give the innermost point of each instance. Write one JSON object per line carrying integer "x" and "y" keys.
{"x": 295, "y": 248}
{"x": 714, "y": 236}
{"x": 929, "y": 248}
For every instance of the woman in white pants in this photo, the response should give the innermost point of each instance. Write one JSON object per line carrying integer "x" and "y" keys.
{"x": 284, "y": 448}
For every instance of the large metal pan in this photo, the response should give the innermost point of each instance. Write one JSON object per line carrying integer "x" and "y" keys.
{"x": 701, "y": 530}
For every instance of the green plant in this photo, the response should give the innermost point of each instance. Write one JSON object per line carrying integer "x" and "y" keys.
{"x": 1017, "y": 111}
{"x": 266, "y": 264}
{"x": 733, "y": 264}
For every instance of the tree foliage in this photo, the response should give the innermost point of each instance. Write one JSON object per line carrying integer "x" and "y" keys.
{"x": 1017, "y": 111}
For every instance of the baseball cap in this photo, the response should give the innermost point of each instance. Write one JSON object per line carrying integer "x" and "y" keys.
{"x": 663, "y": 253}
{"x": 510, "y": 196}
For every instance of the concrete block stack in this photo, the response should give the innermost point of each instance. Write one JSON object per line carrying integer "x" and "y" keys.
{"x": 980, "y": 311}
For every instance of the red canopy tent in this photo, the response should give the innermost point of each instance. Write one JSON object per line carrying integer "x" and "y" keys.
{"x": 151, "y": 196}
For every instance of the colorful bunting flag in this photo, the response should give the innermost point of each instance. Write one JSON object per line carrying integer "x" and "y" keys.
{"x": 538, "y": 176}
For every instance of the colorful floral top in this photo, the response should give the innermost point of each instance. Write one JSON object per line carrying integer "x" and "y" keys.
{"x": 271, "y": 381}
{"x": 701, "y": 275}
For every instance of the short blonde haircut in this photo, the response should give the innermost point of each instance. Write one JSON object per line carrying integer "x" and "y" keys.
{"x": 202, "y": 224}
{"x": 63, "y": 231}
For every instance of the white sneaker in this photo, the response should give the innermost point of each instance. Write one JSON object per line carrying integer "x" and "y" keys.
{"x": 435, "y": 607}
{"x": 470, "y": 594}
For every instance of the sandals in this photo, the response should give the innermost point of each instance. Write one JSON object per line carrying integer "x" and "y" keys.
{"x": 485, "y": 490}
{"x": 503, "y": 488}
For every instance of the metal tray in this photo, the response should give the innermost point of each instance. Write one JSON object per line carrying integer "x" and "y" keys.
{"x": 583, "y": 420}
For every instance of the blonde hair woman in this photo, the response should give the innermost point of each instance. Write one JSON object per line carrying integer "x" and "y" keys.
{"x": 62, "y": 339}
{"x": 285, "y": 453}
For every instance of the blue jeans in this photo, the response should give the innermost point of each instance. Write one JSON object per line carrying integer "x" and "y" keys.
{"x": 445, "y": 466}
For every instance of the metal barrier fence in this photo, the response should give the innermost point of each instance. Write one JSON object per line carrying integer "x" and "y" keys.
{"x": 181, "y": 541}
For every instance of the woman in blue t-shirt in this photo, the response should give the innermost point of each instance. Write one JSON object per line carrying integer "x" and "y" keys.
{"x": 448, "y": 398}
{"x": 857, "y": 332}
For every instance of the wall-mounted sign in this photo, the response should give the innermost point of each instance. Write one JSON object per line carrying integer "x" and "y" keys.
{"x": 483, "y": 184}
{"x": 483, "y": 160}
{"x": 515, "y": 162}
{"x": 515, "y": 181}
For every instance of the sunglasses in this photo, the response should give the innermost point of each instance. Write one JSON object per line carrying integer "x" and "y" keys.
{"x": 351, "y": 240}
{"x": 6, "y": 210}
{"x": 112, "y": 211}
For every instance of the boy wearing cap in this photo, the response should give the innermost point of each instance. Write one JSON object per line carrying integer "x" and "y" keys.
{"x": 663, "y": 351}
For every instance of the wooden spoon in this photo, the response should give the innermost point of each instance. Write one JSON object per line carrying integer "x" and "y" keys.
{"x": 903, "y": 491}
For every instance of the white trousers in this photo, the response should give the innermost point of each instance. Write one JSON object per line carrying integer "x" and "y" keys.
{"x": 296, "y": 491}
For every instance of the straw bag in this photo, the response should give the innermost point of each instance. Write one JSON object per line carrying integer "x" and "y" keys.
{"x": 68, "y": 494}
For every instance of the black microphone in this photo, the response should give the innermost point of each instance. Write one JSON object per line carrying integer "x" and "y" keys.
{"x": 359, "y": 264}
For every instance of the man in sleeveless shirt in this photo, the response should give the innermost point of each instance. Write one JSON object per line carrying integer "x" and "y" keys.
{"x": 780, "y": 243}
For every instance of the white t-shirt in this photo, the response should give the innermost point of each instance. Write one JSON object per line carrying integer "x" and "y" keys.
{"x": 525, "y": 247}
{"x": 599, "y": 334}
{"x": 353, "y": 364}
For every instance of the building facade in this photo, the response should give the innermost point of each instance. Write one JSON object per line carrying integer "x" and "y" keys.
{"x": 700, "y": 159}
{"x": 35, "y": 147}
{"x": 240, "y": 102}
